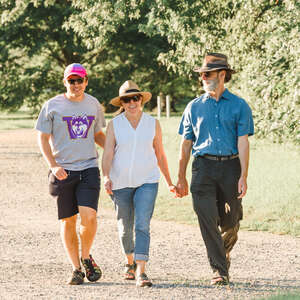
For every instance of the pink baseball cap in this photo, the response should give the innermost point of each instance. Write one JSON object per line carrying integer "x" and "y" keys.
{"x": 75, "y": 69}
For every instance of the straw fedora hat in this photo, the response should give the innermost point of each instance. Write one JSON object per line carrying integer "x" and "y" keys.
{"x": 130, "y": 88}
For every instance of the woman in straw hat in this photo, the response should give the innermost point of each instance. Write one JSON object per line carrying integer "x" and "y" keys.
{"x": 133, "y": 155}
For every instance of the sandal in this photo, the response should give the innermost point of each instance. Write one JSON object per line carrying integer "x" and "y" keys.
{"x": 130, "y": 271}
{"x": 220, "y": 280}
{"x": 143, "y": 280}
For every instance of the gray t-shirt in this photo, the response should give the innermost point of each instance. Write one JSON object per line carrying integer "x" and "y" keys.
{"x": 72, "y": 126}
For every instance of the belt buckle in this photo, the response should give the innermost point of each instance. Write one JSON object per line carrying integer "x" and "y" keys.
{"x": 223, "y": 158}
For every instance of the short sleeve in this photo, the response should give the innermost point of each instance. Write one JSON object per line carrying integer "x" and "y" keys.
{"x": 44, "y": 122}
{"x": 186, "y": 126}
{"x": 100, "y": 120}
{"x": 245, "y": 123}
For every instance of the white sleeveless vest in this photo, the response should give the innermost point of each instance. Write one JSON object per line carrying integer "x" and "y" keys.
{"x": 134, "y": 161}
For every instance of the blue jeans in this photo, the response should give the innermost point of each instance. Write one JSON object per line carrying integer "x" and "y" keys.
{"x": 134, "y": 208}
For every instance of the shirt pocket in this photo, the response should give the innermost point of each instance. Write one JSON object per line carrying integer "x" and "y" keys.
{"x": 228, "y": 121}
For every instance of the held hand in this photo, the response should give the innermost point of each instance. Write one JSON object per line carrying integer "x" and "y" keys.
{"x": 107, "y": 185}
{"x": 242, "y": 187}
{"x": 59, "y": 172}
{"x": 182, "y": 188}
{"x": 172, "y": 188}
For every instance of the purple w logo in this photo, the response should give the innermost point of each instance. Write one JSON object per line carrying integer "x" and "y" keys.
{"x": 79, "y": 126}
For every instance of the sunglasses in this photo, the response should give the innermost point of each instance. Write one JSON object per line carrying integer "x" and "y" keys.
{"x": 135, "y": 98}
{"x": 208, "y": 74}
{"x": 78, "y": 80}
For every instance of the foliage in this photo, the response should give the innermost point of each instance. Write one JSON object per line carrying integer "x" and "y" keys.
{"x": 261, "y": 39}
{"x": 268, "y": 32}
{"x": 39, "y": 38}
{"x": 157, "y": 44}
{"x": 116, "y": 25}
{"x": 34, "y": 50}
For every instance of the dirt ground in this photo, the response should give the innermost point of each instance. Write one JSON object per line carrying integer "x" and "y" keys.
{"x": 34, "y": 265}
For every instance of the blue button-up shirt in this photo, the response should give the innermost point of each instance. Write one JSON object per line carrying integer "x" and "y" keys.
{"x": 214, "y": 126}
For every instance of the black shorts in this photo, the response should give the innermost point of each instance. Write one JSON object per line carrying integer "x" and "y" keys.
{"x": 80, "y": 188}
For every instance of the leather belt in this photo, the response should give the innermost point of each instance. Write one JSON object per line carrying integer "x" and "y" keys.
{"x": 219, "y": 158}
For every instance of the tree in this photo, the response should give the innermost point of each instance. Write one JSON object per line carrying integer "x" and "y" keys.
{"x": 157, "y": 44}
{"x": 261, "y": 39}
{"x": 39, "y": 38}
{"x": 264, "y": 38}
{"x": 34, "y": 50}
{"x": 118, "y": 26}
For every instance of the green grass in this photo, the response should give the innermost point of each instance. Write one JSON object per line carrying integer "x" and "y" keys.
{"x": 289, "y": 296}
{"x": 271, "y": 203}
{"x": 274, "y": 185}
{"x": 16, "y": 120}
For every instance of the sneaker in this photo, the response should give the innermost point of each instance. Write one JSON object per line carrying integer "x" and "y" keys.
{"x": 93, "y": 272}
{"x": 77, "y": 278}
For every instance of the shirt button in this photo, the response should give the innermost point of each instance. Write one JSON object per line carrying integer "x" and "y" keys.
{"x": 217, "y": 127}
{"x": 216, "y": 116}
{"x": 220, "y": 151}
{"x": 218, "y": 140}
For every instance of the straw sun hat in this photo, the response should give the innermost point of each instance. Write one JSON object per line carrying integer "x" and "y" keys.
{"x": 130, "y": 88}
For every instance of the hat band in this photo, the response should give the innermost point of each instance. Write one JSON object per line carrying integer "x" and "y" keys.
{"x": 210, "y": 65}
{"x": 132, "y": 91}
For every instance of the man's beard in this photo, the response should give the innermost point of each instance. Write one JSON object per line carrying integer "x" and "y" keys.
{"x": 211, "y": 85}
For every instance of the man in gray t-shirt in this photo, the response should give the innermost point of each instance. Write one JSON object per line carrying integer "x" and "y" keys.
{"x": 69, "y": 125}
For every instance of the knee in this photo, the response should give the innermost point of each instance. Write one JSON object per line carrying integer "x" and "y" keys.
{"x": 142, "y": 225}
{"x": 88, "y": 220}
{"x": 230, "y": 237}
{"x": 69, "y": 222}
{"x": 208, "y": 218}
{"x": 125, "y": 228}
{"x": 198, "y": 206}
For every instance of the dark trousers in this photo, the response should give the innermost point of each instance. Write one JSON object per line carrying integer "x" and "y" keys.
{"x": 214, "y": 184}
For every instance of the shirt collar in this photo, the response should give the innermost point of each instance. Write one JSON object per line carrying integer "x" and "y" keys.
{"x": 226, "y": 94}
{"x": 205, "y": 97}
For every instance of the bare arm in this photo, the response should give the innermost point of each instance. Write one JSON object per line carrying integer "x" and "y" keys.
{"x": 44, "y": 144}
{"x": 243, "y": 148}
{"x": 108, "y": 156}
{"x": 100, "y": 138}
{"x": 161, "y": 156}
{"x": 184, "y": 157}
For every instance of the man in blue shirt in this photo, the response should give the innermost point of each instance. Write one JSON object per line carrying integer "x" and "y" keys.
{"x": 215, "y": 127}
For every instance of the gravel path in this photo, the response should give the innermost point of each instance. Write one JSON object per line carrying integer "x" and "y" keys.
{"x": 34, "y": 266}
